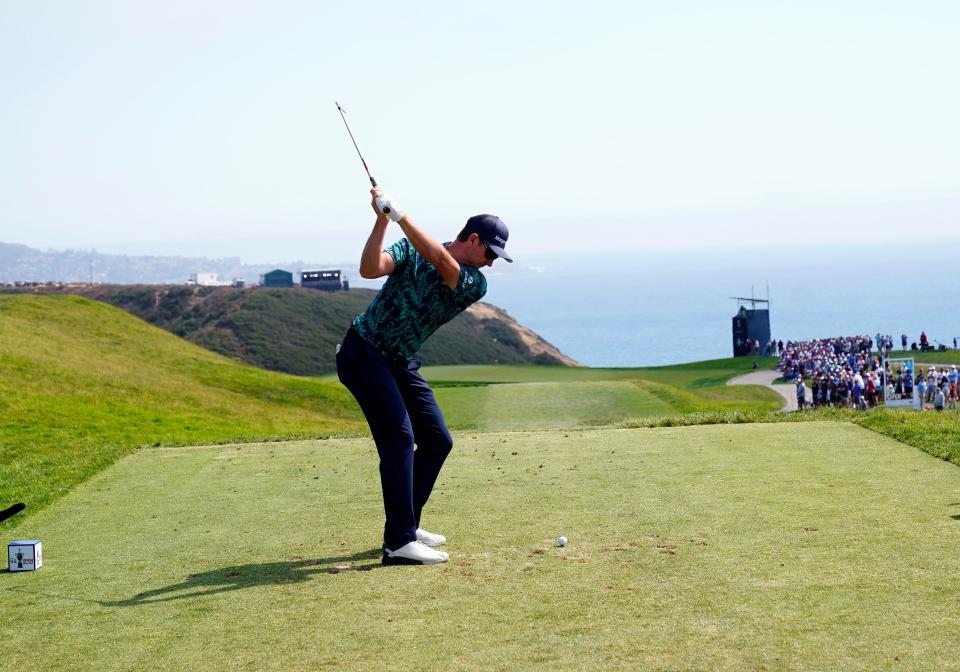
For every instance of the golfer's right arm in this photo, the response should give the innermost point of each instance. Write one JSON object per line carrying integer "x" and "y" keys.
{"x": 375, "y": 263}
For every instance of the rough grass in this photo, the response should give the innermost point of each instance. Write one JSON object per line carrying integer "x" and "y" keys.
{"x": 932, "y": 357}
{"x": 819, "y": 546}
{"x": 82, "y": 383}
{"x": 931, "y": 432}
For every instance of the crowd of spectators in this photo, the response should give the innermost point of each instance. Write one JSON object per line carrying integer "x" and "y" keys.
{"x": 849, "y": 371}
{"x": 938, "y": 387}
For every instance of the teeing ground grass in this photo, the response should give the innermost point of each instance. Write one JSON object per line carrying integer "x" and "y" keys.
{"x": 777, "y": 546}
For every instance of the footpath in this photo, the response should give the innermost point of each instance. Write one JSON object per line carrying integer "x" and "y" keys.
{"x": 765, "y": 377}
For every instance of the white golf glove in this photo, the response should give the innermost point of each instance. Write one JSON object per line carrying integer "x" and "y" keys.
{"x": 389, "y": 207}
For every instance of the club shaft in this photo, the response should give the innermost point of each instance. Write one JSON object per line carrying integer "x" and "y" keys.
{"x": 342, "y": 116}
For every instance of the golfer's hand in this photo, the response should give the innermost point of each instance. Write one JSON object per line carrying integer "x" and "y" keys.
{"x": 384, "y": 205}
{"x": 375, "y": 193}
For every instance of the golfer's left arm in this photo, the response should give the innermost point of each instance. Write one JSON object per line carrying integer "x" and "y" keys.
{"x": 432, "y": 251}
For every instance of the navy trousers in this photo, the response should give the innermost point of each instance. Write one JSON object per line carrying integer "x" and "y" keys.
{"x": 402, "y": 412}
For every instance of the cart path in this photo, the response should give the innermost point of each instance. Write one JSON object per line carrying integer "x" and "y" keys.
{"x": 765, "y": 378}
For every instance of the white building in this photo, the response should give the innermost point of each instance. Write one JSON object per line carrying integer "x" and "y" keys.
{"x": 205, "y": 279}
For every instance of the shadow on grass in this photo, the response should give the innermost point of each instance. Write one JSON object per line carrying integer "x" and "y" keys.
{"x": 955, "y": 516}
{"x": 239, "y": 577}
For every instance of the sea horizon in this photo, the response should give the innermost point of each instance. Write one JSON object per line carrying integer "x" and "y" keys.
{"x": 668, "y": 306}
{"x": 659, "y": 308}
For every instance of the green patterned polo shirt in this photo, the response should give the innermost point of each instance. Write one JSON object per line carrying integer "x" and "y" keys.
{"x": 414, "y": 302}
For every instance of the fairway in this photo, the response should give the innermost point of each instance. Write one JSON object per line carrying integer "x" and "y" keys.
{"x": 518, "y": 406}
{"x": 784, "y": 546}
{"x": 491, "y": 398}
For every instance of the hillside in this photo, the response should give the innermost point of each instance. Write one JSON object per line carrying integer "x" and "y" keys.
{"x": 83, "y": 383}
{"x": 296, "y": 330}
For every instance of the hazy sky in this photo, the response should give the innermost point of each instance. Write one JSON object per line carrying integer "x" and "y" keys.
{"x": 209, "y": 127}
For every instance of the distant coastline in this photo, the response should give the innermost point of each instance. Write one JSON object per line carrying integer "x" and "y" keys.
{"x": 645, "y": 308}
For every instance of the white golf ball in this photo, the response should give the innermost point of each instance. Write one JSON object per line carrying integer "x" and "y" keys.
{"x": 562, "y": 541}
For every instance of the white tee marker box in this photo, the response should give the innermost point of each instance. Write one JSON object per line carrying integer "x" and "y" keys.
{"x": 24, "y": 556}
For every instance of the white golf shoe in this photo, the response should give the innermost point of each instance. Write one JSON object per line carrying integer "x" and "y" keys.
{"x": 429, "y": 538}
{"x": 414, "y": 553}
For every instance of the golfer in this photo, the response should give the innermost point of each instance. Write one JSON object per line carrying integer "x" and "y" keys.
{"x": 428, "y": 285}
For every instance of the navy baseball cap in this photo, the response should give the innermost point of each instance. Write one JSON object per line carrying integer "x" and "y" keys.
{"x": 492, "y": 232}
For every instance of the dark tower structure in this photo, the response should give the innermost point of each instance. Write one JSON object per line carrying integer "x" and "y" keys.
{"x": 751, "y": 325}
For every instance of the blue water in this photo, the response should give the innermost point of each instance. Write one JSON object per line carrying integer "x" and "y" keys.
{"x": 664, "y": 308}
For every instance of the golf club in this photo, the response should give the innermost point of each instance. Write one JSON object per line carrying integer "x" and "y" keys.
{"x": 12, "y": 511}
{"x": 372, "y": 181}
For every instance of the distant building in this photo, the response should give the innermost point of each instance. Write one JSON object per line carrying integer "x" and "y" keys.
{"x": 277, "y": 278}
{"x": 205, "y": 279}
{"x": 239, "y": 283}
{"x": 329, "y": 281}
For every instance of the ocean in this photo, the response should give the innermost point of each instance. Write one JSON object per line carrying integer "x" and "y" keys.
{"x": 666, "y": 307}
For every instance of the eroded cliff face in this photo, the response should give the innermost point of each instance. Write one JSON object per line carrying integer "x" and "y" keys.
{"x": 535, "y": 343}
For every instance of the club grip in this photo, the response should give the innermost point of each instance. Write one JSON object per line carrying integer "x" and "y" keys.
{"x": 373, "y": 181}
